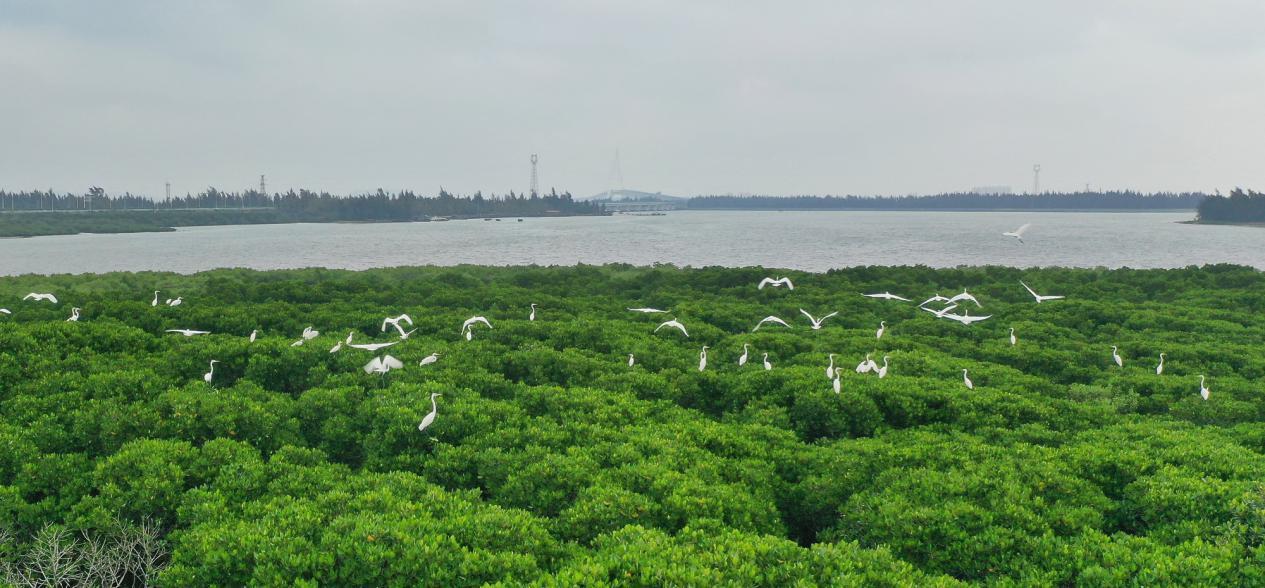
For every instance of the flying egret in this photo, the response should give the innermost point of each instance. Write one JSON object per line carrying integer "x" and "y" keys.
{"x": 1115, "y": 356}
{"x": 942, "y": 312}
{"x": 207, "y": 376}
{"x": 742, "y": 359}
{"x": 253, "y": 334}
{"x": 5, "y": 311}
{"x": 155, "y": 302}
{"x": 188, "y": 332}
{"x": 38, "y": 297}
{"x": 882, "y": 328}
{"x": 817, "y": 321}
{"x": 966, "y": 380}
{"x": 468, "y": 326}
{"x": 406, "y": 334}
{"x": 430, "y": 417}
{"x": 835, "y": 384}
{"x": 767, "y": 365}
{"x": 964, "y": 296}
{"x": 382, "y": 365}
{"x": 702, "y": 359}
{"x": 775, "y": 283}
{"x": 887, "y": 296}
{"x": 1017, "y": 233}
{"x": 175, "y": 301}
{"x": 966, "y": 318}
{"x": 864, "y": 366}
{"x": 1039, "y": 297}
{"x": 1203, "y": 390}
{"x": 830, "y": 369}
{"x": 371, "y": 346}
{"x": 532, "y": 316}
{"x": 882, "y": 372}
{"x": 1013, "y": 340}
{"x": 646, "y": 310}
{"x": 74, "y": 315}
{"x": 395, "y": 322}
{"x": 769, "y": 319}
{"x": 631, "y": 360}
{"x": 936, "y": 298}
{"x": 429, "y": 359}
{"x": 1159, "y": 369}
{"x": 674, "y": 324}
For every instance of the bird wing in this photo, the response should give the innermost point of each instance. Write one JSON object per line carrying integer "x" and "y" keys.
{"x": 765, "y": 282}
{"x": 385, "y": 322}
{"x": 374, "y": 365}
{"x": 1019, "y": 231}
{"x": 1053, "y": 297}
{"x": 392, "y": 362}
{"x": 810, "y": 317}
{"x": 789, "y": 285}
{"x": 895, "y": 297}
{"x": 484, "y": 321}
{"x": 1025, "y": 287}
{"x": 406, "y": 318}
{"x": 829, "y": 315}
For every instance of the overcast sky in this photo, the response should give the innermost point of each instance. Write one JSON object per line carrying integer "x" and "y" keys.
{"x": 830, "y": 97}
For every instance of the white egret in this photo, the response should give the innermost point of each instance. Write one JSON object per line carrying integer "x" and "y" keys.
{"x": 742, "y": 359}
{"x": 882, "y": 372}
{"x": 188, "y": 332}
{"x": 308, "y": 334}
{"x": 5, "y": 311}
{"x": 38, "y": 297}
{"x": 74, "y": 315}
{"x": 674, "y": 324}
{"x": 887, "y": 296}
{"x": 532, "y": 316}
{"x": 382, "y": 365}
{"x": 817, "y": 321}
{"x": 936, "y": 298}
{"x": 253, "y": 334}
{"x": 882, "y": 328}
{"x": 175, "y": 301}
{"x": 395, "y": 322}
{"x": 1159, "y": 369}
{"x": 1013, "y": 340}
{"x": 775, "y": 283}
{"x": 336, "y": 347}
{"x": 468, "y": 326}
{"x": 835, "y": 384}
{"x": 430, "y": 417}
{"x": 1115, "y": 356}
{"x": 1039, "y": 297}
{"x": 769, "y": 319}
{"x": 966, "y": 318}
{"x": 830, "y": 369}
{"x": 1017, "y": 233}
{"x": 965, "y": 296}
{"x": 966, "y": 380}
{"x": 647, "y": 310}
{"x": 1203, "y": 390}
{"x": 429, "y": 359}
{"x": 155, "y": 302}
{"x": 406, "y": 334}
{"x": 767, "y": 365}
{"x": 942, "y": 312}
{"x": 702, "y": 359}
{"x": 631, "y": 360}
{"x": 864, "y": 366}
{"x": 207, "y": 376}
{"x": 371, "y": 346}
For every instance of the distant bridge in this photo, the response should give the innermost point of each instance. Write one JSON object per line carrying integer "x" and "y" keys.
{"x": 640, "y": 206}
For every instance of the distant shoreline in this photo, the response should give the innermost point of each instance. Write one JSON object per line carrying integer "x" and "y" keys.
{"x": 1222, "y": 223}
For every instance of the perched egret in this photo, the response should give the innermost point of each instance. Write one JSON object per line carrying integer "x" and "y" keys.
{"x": 882, "y": 328}
{"x": 775, "y": 283}
{"x": 647, "y": 310}
{"x": 887, "y": 296}
{"x": 429, "y": 359}
{"x": 336, "y": 347}
{"x": 253, "y": 334}
{"x": 1013, "y": 340}
{"x": 674, "y": 324}
{"x": 817, "y": 321}
{"x": 1039, "y": 297}
{"x": 936, "y": 298}
{"x": 5, "y": 311}
{"x": 382, "y": 365}
{"x": 155, "y": 302}
{"x": 430, "y": 417}
{"x": 308, "y": 334}
{"x": 631, "y": 360}
{"x": 175, "y": 301}
{"x": 532, "y": 316}
{"x": 966, "y": 380}
{"x": 1159, "y": 369}
{"x": 864, "y": 366}
{"x": 38, "y": 297}
{"x": 767, "y": 365}
{"x": 467, "y": 327}
{"x": 965, "y": 296}
{"x": 74, "y": 315}
{"x": 742, "y": 359}
{"x": 1115, "y": 356}
{"x": 769, "y": 319}
{"x": 702, "y": 359}
{"x": 882, "y": 372}
{"x": 1203, "y": 390}
{"x": 188, "y": 332}
{"x": 835, "y": 384}
{"x": 395, "y": 321}
{"x": 207, "y": 376}
{"x": 1017, "y": 233}
{"x": 830, "y": 369}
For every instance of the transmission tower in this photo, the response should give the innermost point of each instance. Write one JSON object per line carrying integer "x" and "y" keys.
{"x": 1036, "y": 178}
{"x": 616, "y": 178}
{"x": 535, "y": 184}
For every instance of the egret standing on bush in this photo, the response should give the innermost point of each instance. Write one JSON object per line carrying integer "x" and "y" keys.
{"x": 429, "y": 418}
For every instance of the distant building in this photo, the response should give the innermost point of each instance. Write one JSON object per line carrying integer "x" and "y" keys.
{"x": 988, "y": 190}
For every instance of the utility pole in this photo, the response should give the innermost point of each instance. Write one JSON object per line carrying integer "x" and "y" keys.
{"x": 1036, "y": 179}
{"x": 535, "y": 184}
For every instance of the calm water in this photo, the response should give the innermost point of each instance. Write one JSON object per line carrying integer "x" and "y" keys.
{"x": 802, "y": 240}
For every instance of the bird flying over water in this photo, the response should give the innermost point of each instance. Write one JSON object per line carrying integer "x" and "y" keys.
{"x": 1039, "y": 297}
{"x": 674, "y": 324}
{"x": 1018, "y": 233}
{"x": 775, "y": 283}
{"x": 887, "y": 296}
{"x": 817, "y": 321}
{"x": 38, "y": 297}
{"x": 769, "y": 319}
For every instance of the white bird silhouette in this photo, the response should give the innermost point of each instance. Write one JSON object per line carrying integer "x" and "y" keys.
{"x": 835, "y": 384}
{"x": 887, "y": 296}
{"x": 382, "y": 365}
{"x": 646, "y": 310}
{"x": 769, "y": 319}
{"x": 674, "y": 324}
{"x": 742, "y": 359}
{"x": 966, "y": 380}
{"x": 188, "y": 332}
{"x": 371, "y": 346}
{"x": 253, "y": 334}
{"x": 1203, "y": 390}
{"x": 1013, "y": 340}
{"x": 964, "y": 296}
{"x": 337, "y": 346}
{"x": 5, "y": 311}
{"x": 395, "y": 321}
{"x": 429, "y": 359}
{"x": 864, "y": 366}
{"x": 775, "y": 283}
{"x": 38, "y": 297}
{"x": 74, "y": 315}
{"x": 468, "y": 327}
{"x": 1159, "y": 369}
{"x": 207, "y": 376}
{"x": 1018, "y": 233}
{"x": 702, "y": 359}
{"x": 817, "y": 321}
{"x": 175, "y": 301}
{"x": 936, "y": 298}
{"x": 1115, "y": 356}
{"x": 942, "y": 312}
{"x": 631, "y": 360}
{"x": 1039, "y": 297}
{"x": 882, "y": 372}
{"x": 830, "y": 369}
{"x": 767, "y": 365}
{"x": 308, "y": 334}
{"x": 155, "y": 302}
{"x": 532, "y": 316}
{"x": 882, "y": 328}
{"x": 430, "y": 417}
{"x": 966, "y": 318}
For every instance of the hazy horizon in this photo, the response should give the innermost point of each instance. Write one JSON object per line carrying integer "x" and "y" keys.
{"x": 706, "y": 98}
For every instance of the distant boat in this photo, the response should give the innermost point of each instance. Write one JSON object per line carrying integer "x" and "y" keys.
{"x": 438, "y": 218}
{"x": 520, "y": 220}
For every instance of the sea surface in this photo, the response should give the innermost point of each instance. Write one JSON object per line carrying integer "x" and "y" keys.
{"x": 814, "y": 241}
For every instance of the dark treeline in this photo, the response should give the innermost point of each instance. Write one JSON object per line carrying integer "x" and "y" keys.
{"x": 1239, "y": 207}
{"x": 959, "y": 201}
{"x": 306, "y": 205}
